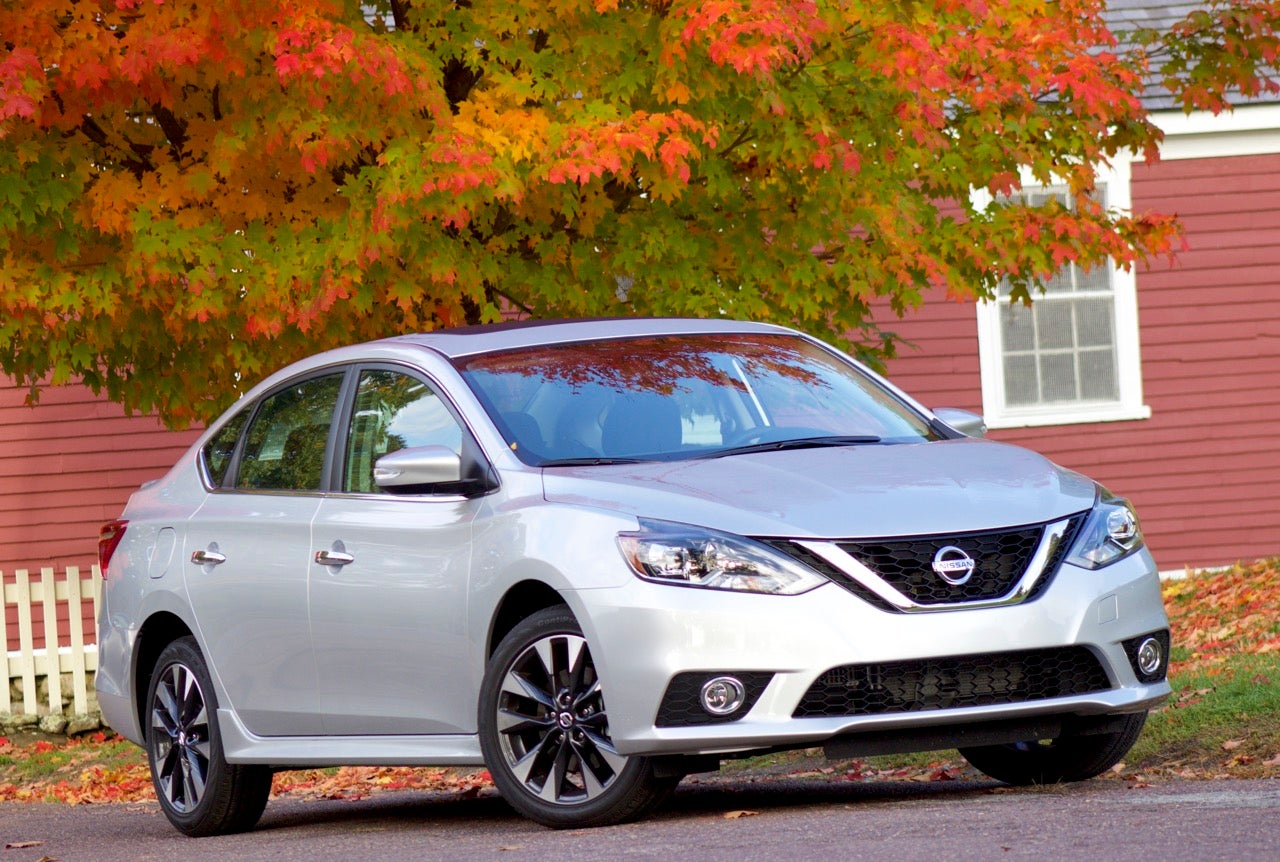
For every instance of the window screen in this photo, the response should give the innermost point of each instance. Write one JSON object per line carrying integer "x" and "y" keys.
{"x": 1061, "y": 349}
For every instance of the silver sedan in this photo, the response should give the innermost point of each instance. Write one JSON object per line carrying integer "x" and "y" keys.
{"x": 599, "y": 556}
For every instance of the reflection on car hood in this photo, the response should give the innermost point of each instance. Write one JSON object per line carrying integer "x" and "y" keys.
{"x": 857, "y": 491}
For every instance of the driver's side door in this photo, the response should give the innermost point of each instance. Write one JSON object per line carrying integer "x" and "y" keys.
{"x": 389, "y": 596}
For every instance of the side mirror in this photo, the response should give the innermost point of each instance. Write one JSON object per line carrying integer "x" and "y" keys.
{"x": 968, "y": 424}
{"x": 408, "y": 470}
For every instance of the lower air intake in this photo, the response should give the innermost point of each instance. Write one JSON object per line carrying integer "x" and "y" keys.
{"x": 953, "y": 682}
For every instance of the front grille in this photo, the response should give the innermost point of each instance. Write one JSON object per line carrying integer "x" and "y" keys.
{"x": 1057, "y": 556}
{"x": 1000, "y": 558}
{"x": 954, "y": 682}
{"x": 835, "y": 575}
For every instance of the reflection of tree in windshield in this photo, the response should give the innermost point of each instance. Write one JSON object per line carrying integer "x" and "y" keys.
{"x": 660, "y": 365}
{"x": 672, "y": 397}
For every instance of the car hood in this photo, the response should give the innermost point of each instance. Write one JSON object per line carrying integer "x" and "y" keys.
{"x": 850, "y": 492}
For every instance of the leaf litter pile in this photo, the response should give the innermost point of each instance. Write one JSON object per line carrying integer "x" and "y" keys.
{"x": 1216, "y": 618}
{"x": 103, "y": 767}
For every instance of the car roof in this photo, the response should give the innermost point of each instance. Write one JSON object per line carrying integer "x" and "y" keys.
{"x": 472, "y": 340}
{"x": 461, "y": 343}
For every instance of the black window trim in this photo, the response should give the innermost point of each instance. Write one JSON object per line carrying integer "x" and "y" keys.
{"x": 339, "y": 425}
{"x": 472, "y": 450}
{"x": 233, "y": 469}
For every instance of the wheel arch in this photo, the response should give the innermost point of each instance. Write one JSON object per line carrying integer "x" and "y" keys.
{"x": 521, "y": 601}
{"x": 160, "y": 630}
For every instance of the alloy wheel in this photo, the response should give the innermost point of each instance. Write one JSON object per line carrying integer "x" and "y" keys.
{"x": 181, "y": 746}
{"x": 553, "y": 729}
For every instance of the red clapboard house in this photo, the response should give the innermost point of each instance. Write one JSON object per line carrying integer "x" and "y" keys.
{"x": 1163, "y": 383}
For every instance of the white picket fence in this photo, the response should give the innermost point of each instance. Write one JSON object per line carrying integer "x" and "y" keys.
{"x": 31, "y": 666}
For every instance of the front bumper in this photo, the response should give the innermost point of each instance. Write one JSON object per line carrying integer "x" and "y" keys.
{"x": 644, "y": 635}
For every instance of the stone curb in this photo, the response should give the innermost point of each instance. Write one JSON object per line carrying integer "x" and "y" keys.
{"x": 57, "y": 725}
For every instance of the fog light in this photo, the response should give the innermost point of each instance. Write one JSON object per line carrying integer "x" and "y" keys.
{"x": 723, "y": 695}
{"x": 1150, "y": 656}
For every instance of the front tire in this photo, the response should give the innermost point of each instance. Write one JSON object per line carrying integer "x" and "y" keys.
{"x": 199, "y": 792}
{"x": 1067, "y": 758}
{"x": 544, "y": 731}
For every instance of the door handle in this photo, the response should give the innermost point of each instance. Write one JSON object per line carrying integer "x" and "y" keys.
{"x": 334, "y": 558}
{"x": 207, "y": 558}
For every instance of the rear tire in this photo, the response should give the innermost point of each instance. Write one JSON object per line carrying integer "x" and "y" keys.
{"x": 544, "y": 731}
{"x": 1067, "y": 758}
{"x": 199, "y": 791}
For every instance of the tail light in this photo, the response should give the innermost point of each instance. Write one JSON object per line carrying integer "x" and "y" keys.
{"x": 108, "y": 540}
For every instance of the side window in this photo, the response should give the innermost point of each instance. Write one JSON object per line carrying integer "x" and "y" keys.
{"x": 284, "y": 446}
{"x": 394, "y": 411}
{"x": 218, "y": 451}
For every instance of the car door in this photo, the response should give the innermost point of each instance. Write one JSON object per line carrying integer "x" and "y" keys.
{"x": 247, "y": 553}
{"x": 389, "y": 589}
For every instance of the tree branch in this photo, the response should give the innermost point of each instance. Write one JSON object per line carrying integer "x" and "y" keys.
{"x": 459, "y": 80}
{"x": 522, "y": 307}
{"x": 742, "y": 138}
{"x": 98, "y": 135}
{"x": 400, "y": 14}
{"x": 175, "y": 130}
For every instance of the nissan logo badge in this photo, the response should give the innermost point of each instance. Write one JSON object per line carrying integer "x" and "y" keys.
{"x": 953, "y": 565}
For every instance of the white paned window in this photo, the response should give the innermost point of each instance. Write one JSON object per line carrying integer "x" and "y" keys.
{"x": 1072, "y": 355}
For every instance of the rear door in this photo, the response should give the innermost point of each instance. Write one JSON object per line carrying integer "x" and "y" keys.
{"x": 247, "y": 556}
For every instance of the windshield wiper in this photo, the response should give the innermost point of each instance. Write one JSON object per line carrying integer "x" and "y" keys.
{"x": 800, "y": 443}
{"x": 590, "y": 461}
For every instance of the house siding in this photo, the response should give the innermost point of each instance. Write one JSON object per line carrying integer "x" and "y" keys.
{"x": 1204, "y": 470}
{"x": 938, "y": 363}
{"x": 66, "y": 466}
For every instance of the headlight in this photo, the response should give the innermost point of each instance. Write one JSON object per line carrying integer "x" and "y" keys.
{"x": 684, "y": 555}
{"x": 1111, "y": 533}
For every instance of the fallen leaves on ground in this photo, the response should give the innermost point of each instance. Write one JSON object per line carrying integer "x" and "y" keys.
{"x": 79, "y": 771}
{"x": 358, "y": 782}
{"x": 811, "y": 766}
{"x": 1215, "y": 615}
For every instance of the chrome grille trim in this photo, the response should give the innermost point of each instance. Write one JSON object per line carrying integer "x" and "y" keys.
{"x": 858, "y": 571}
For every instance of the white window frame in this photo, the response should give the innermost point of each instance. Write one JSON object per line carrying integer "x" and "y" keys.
{"x": 1129, "y": 405}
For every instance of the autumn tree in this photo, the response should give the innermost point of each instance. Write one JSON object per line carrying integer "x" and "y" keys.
{"x": 192, "y": 194}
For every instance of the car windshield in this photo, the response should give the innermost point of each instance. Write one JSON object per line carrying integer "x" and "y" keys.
{"x": 668, "y": 398}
